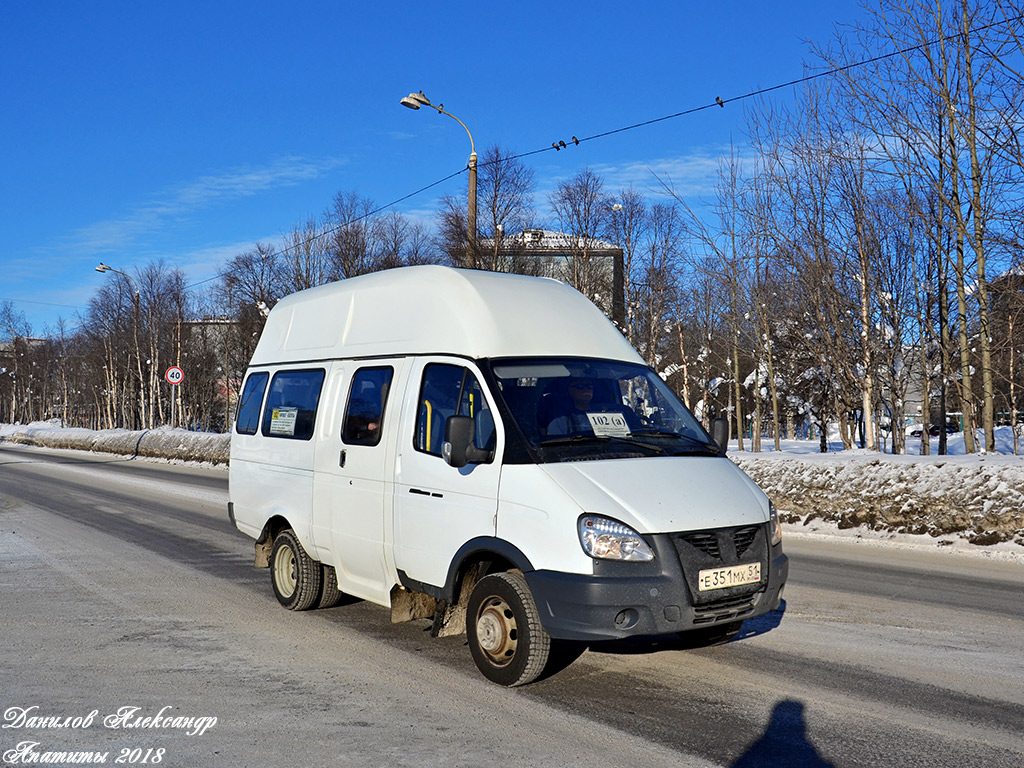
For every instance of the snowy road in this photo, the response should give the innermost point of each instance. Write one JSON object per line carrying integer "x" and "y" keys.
{"x": 122, "y": 584}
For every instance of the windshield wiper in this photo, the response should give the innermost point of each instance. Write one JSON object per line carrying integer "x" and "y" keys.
{"x": 699, "y": 444}
{"x": 566, "y": 440}
{"x": 600, "y": 439}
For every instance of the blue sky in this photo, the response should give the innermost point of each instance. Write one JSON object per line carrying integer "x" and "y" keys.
{"x": 187, "y": 131}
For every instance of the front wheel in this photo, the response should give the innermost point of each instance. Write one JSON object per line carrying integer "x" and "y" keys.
{"x": 506, "y": 639}
{"x": 296, "y": 577}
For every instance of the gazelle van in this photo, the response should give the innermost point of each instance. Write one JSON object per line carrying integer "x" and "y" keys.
{"x": 488, "y": 451}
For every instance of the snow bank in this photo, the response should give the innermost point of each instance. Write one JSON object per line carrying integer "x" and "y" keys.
{"x": 979, "y": 498}
{"x": 162, "y": 443}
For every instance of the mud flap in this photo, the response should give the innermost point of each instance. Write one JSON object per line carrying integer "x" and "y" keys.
{"x": 407, "y": 605}
{"x": 450, "y": 620}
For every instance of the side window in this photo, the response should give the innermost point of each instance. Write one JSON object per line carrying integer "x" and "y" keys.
{"x": 364, "y": 413}
{"x": 291, "y": 404}
{"x": 474, "y": 404}
{"x": 249, "y": 403}
{"x": 451, "y": 390}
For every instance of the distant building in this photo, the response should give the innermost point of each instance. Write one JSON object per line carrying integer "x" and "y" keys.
{"x": 9, "y": 350}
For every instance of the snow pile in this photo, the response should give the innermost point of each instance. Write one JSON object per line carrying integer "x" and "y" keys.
{"x": 979, "y": 498}
{"x": 161, "y": 443}
{"x": 976, "y": 497}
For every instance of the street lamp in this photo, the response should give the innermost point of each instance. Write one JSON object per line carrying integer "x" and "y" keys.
{"x": 104, "y": 268}
{"x": 417, "y": 100}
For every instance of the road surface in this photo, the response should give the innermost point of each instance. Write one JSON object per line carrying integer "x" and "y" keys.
{"x": 132, "y": 617}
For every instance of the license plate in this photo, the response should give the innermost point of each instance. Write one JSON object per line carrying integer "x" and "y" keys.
{"x": 735, "y": 576}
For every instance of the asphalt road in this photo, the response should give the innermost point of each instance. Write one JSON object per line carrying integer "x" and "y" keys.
{"x": 123, "y": 585}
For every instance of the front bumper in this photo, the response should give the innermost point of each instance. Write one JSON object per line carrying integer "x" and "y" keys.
{"x": 660, "y": 597}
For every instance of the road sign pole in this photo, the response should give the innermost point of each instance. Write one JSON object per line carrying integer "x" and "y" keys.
{"x": 174, "y": 376}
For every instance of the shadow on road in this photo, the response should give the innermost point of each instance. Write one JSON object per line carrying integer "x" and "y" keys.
{"x": 762, "y": 624}
{"x": 784, "y": 743}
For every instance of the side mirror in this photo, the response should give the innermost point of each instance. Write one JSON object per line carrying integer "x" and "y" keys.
{"x": 720, "y": 434}
{"x": 458, "y": 449}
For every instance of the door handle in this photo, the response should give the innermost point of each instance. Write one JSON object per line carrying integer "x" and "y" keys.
{"x": 341, "y": 459}
{"x": 419, "y": 492}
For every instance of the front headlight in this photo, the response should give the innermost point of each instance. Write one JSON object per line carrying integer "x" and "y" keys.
{"x": 606, "y": 539}
{"x": 774, "y": 525}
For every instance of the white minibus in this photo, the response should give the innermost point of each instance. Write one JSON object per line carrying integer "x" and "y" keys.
{"x": 487, "y": 451}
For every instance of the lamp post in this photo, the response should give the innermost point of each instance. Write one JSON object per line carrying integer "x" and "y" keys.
{"x": 103, "y": 268}
{"x": 620, "y": 279}
{"x": 417, "y": 100}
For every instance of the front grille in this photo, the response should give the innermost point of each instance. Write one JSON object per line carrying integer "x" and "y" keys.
{"x": 743, "y": 538}
{"x": 725, "y": 609}
{"x": 722, "y": 548}
{"x": 711, "y": 542}
{"x": 705, "y": 542}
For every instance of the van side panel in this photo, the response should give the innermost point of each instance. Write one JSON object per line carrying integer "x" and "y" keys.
{"x": 353, "y": 482}
{"x": 273, "y": 475}
{"x": 437, "y": 507}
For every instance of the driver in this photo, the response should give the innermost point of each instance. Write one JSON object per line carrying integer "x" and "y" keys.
{"x": 575, "y": 421}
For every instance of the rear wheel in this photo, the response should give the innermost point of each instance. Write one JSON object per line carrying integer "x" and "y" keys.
{"x": 296, "y": 577}
{"x": 330, "y": 595}
{"x": 506, "y": 639}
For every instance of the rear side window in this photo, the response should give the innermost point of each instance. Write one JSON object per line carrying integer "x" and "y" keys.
{"x": 250, "y": 402}
{"x": 367, "y": 398}
{"x": 290, "y": 411}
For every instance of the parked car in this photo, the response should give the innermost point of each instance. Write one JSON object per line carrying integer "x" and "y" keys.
{"x": 916, "y": 430}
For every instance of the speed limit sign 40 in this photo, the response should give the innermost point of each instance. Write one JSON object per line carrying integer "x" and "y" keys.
{"x": 174, "y": 375}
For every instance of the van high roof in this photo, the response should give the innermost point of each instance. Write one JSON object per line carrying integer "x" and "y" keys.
{"x": 439, "y": 310}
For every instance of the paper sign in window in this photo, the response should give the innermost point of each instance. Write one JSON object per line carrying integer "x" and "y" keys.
{"x": 282, "y": 421}
{"x": 609, "y": 424}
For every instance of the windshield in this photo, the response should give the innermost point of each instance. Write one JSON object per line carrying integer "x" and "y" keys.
{"x": 577, "y": 408}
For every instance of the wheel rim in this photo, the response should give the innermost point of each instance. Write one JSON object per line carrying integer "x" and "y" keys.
{"x": 496, "y": 631}
{"x": 285, "y": 575}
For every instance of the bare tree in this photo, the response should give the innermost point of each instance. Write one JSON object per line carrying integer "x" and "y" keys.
{"x": 15, "y": 339}
{"x": 722, "y": 242}
{"x": 630, "y": 222}
{"x": 582, "y": 209}
{"x": 350, "y": 223}
{"x": 505, "y": 188}
{"x": 505, "y": 198}
{"x": 305, "y": 256}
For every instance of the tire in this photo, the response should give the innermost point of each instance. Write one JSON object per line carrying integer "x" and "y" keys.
{"x": 506, "y": 639}
{"x": 295, "y": 576}
{"x": 330, "y": 595}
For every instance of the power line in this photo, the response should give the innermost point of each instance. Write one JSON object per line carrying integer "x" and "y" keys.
{"x": 356, "y": 220}
{"x": 718, "y": 102}
{"x": 41, "y": 303}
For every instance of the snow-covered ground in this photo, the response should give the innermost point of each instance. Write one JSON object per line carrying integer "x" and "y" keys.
{"x": 161, "y": 443}
{"x": 963, "y": 503}
{"x": 978, "y": 497}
